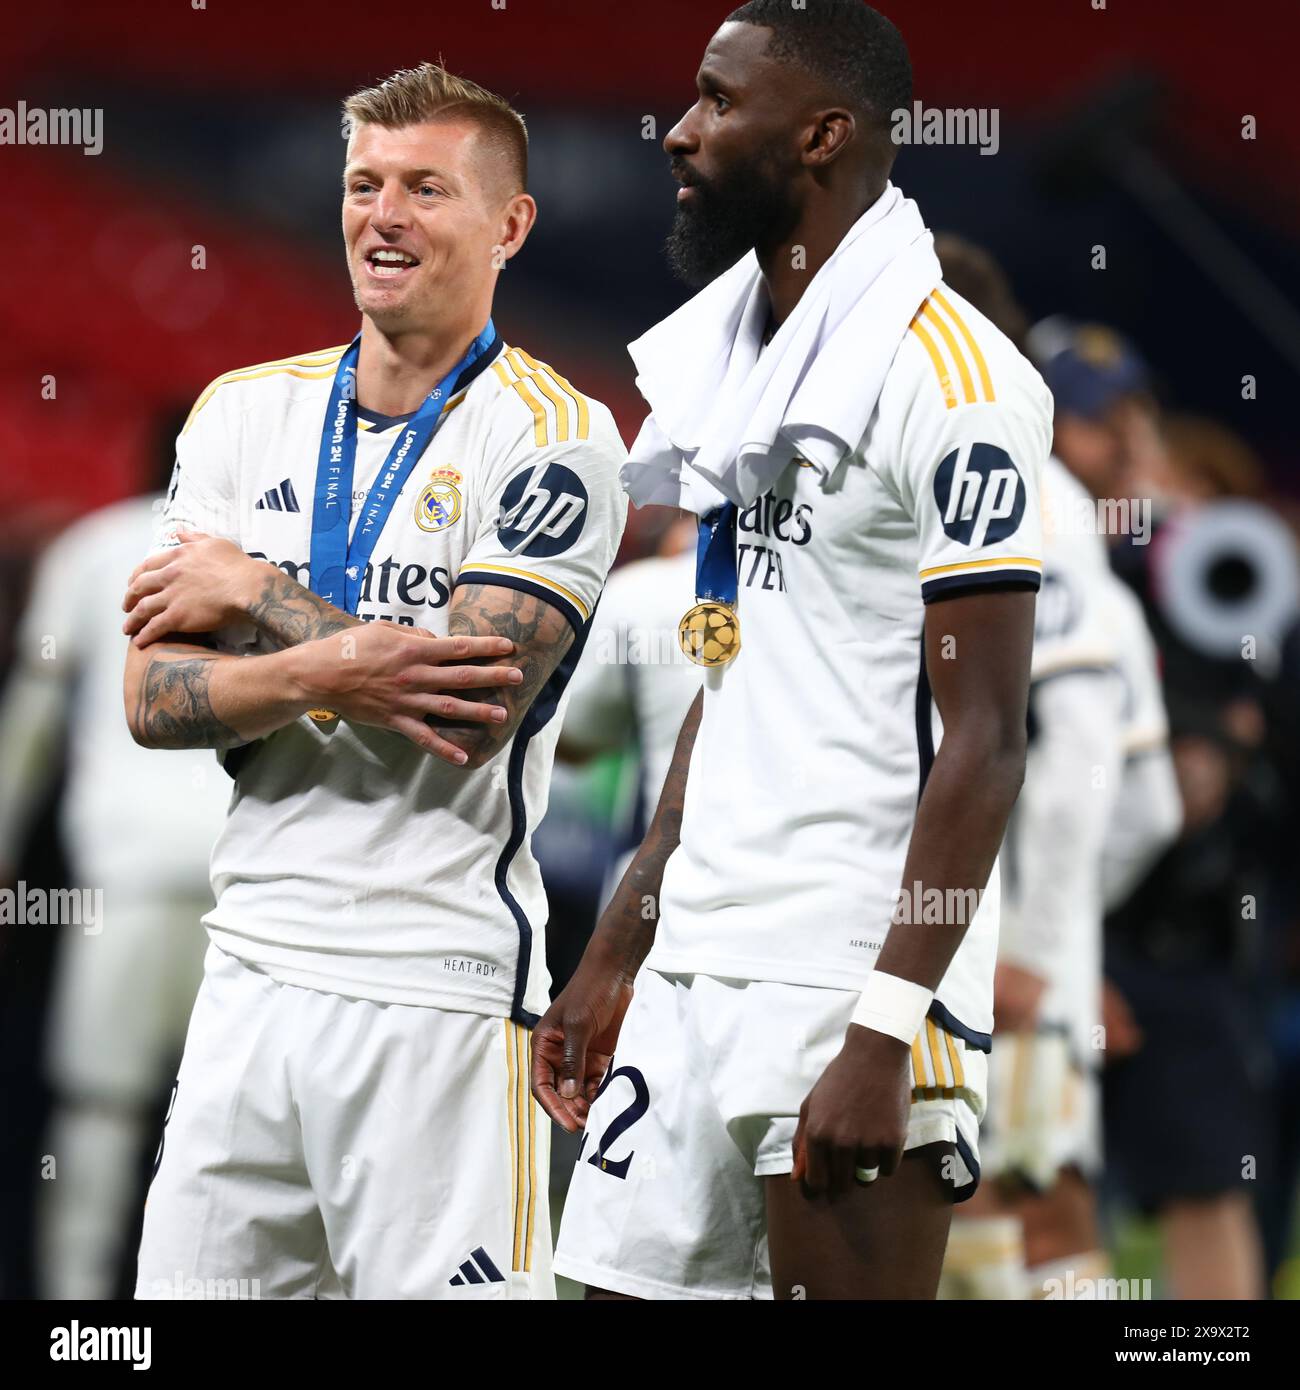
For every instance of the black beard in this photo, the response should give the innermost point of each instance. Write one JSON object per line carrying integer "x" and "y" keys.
{"x": 728, "y": 217}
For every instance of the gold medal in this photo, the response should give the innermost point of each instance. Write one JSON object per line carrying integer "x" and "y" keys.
{"x": 710, "y": 633}
{"x": 321, "y": 716}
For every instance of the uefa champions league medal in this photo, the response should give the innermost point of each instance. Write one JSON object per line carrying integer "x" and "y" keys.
{"x": 709, "y": 633}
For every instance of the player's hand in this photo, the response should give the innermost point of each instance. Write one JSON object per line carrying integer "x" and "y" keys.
{"x": 1017, "y": 997}
{"x": 393, "y": 677}
{"x": 855, "y": 1117}
{"x": 574, "y": 1042}
{"x": 203, "y": 584}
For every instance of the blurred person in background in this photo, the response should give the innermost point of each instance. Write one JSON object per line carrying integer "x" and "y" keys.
{"x": 1101, "y": 392}
{"x": 1035, "y": 1222}
{"x": 139, "y": 827}
{"x": 1191, "y": 951}
{"x": 634, "y": 685}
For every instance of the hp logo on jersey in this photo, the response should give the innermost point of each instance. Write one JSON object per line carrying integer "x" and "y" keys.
{"x": 980, "y": 494}
{"x": 543, "y": 510}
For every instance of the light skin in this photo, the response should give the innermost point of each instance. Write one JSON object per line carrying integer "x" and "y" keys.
{"x": 445, "y": 196}
{"x": 827, "y": 1231}
{"x": 429, "y": 191}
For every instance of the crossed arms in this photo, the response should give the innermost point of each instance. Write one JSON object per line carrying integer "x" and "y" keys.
{"x": 459, "y": 697}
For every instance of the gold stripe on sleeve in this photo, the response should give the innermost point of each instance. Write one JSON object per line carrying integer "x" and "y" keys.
{"x": 557, "y": 400}
{"x": 536, "y": 579}
{"x": 540, "y": 428}
{"x": 584, "y": 414}
{"x": 936, "y": 359}
{"x": 981, "y": 365}
{"x": 249, "y": 374}
{"x": 1006, "y": 561}
{"x": 967, "y": 382}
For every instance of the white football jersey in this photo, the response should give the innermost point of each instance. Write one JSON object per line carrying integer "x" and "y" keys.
{"x": 1146, "y": 721}
{"x": 352, "y": 862}
{"x": 816, "y": 740}
{"x": 1052, "y": 855}
{"x": 634, "y": 682}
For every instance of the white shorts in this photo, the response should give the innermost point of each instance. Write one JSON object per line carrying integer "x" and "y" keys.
{"x": 700, "y": 1105}
{"x": 325, "y": 1147}
{"x": 1043, "y": 1112}
{"x": 122, "y": 995}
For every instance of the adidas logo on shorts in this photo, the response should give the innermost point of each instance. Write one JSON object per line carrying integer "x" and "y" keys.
{"x": 478, "y": 1269}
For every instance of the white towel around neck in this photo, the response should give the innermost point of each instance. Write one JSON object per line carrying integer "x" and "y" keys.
{"x": 727, "y": 417}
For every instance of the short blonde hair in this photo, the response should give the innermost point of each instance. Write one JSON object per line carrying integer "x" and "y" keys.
{"x": 429, "y": 92}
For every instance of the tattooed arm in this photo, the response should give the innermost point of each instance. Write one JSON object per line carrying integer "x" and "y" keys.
{"x": 540, "y": 635}
{"x": 181, "y": 695}
{"x": 207, "y": 583}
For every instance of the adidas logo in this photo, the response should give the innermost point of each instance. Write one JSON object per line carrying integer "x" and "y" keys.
{"x": 478, "y": 1269}
{"x": 279, "y": 499}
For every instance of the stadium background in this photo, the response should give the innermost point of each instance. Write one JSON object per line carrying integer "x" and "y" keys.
{"x": 221, "y": 130}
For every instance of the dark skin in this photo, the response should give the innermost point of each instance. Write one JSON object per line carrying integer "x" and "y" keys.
{"x": 836, "y": 168}
{"x": 827, "y": 1231}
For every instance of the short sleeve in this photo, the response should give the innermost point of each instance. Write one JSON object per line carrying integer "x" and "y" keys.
{"x": 551, "y": 514}
{"x": 202, "y": 494}
{"x": 969, "y": 477}
{"x": 1071, "y": 631}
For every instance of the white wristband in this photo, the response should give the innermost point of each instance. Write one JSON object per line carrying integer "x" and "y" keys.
{"x": 892, "y": 1006}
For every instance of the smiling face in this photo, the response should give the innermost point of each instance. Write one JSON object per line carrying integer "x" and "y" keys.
{"x": 736, "y": 153}
{"x": 429, "y": 217}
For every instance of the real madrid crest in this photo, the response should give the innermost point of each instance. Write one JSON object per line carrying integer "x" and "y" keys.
{"x": 439, "y": 505}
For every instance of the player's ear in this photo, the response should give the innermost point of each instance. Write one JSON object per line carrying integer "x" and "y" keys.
{"x": 517, "y": 218}
{"x": 829, "y": 132}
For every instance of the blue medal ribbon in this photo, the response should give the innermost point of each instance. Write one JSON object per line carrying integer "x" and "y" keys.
{"x": 338, "y": 564}
{"x": 715, "y": 556}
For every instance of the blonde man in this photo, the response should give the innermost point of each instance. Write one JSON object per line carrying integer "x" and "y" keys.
{"x": 395, "y": 548}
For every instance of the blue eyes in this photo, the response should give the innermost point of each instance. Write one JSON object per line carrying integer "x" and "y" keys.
{"x": 424, "y": 189}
